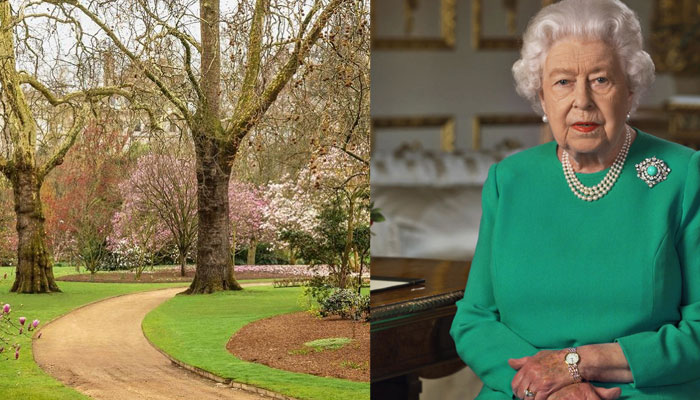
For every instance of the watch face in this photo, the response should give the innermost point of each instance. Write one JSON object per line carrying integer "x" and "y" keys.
{"x": 572, "y": 358}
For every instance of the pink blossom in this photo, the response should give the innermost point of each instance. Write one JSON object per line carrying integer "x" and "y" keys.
{"x": 35, "y": 323}
{"x": 6, "y": 308}
{"x": 22, "y": 320}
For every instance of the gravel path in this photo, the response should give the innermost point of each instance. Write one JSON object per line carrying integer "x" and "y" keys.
{"x": 101, "y": 351}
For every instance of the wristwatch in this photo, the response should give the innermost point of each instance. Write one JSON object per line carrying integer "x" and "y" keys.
{"x": 572, "y": 359}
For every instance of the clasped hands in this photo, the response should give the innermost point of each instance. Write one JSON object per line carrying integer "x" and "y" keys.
{"x": 546, "y": 376}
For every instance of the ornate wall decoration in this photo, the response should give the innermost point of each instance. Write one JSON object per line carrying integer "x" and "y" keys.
{"x": 447, "y": 26}
{"x": 486, "y": 120}
{"x": 675, "y": 36}
{"x": 684, "y": 121}
{"x": 445, "y": 125}
{"x": 511, "y": 41}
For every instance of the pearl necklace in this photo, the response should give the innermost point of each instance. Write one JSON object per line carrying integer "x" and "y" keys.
{"x": 601, "y": 189}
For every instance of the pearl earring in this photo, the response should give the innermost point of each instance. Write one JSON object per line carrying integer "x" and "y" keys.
{"x": 544, "y": 119}
{"x": 628, "y": 116}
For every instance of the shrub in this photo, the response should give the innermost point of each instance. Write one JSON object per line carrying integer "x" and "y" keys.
{"x": 345, "y": 303}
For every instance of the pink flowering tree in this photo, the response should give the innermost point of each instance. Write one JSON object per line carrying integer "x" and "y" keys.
{"x": 247, "y": 215}
{"x": 341, "y": 178}
{"x": 137, "y": 236}
{"x": 291, "y": 211}
{"x": 162, "y": 189}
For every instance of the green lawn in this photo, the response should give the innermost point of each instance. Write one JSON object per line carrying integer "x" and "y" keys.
{"x": 195, "y": 329}
{"x": 23, "y": 379}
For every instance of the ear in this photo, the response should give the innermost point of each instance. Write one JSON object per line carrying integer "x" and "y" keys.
{"x": 541, "y": 96}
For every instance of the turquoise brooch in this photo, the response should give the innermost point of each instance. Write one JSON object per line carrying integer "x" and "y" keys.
{"x": 652, "y": 171}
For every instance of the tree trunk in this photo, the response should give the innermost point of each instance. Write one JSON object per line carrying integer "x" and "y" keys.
{"x": 183, "y": 261}
{"x": 252, "y": 248}
{"x": 345, "y": 260}
{"x": 292, "y": 255}
{"x": 214, "y": 268}
{"x": 34, "y": 272}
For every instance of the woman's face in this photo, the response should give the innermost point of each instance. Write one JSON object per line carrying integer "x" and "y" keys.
{"x": 585, "y": 96}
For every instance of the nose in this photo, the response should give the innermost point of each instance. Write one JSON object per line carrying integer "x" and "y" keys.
{"x": 582, "y": 96}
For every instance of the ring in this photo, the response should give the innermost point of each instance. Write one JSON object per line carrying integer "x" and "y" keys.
{"x": 528, "y": 393}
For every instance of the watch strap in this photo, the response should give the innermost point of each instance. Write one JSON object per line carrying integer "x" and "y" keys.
{"x": 573, "y": 368}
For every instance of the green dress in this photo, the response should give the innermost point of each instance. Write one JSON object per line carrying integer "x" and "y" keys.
{"x": 553, "y": 271}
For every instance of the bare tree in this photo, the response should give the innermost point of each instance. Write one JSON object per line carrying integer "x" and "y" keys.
{"x": 164, "y": 185}
{"x": 40, "y": 122}
{"x": 267, "y": 42}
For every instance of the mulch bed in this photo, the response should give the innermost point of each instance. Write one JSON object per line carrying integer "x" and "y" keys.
{"x": 160, "y": 275}
{"x": 278, "y": 342}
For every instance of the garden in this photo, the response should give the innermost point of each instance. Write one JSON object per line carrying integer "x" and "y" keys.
{"x": 181, "y": 190}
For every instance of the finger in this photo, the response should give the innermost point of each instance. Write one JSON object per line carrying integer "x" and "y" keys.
{"x": 540, "y": 395}
{"x": 517, "y": 363}
{"x": 517, "y": 383}
{"x": 607, "y": 394}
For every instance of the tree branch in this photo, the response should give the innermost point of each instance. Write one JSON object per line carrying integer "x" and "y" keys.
{"x": 252, "y": 110}
{"x": 180, "y": 105}
{"x": 62, "y": 149}
{"x": 54, "y": 100}
{"x": 254, "y": 56}
{"x": 351, "y": 154}
{"x": 188, "y": 68}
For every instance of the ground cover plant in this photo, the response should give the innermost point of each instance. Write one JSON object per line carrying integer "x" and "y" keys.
{"x": 22, "y": 378}
{"x": 195, "y": 330}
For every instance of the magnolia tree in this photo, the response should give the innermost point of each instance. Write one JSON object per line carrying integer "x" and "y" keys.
{"x": 138, "y": 234}
{"x": 247, "y": 215}
{"x": 290, "y": 212}
{"x": 12, "y": 328}
{"x": 163, "y": 189}
{"x": 344, "y": 183}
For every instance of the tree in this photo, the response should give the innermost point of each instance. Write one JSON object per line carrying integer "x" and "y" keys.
{"x": 165, "y": 187}
{"x": 41, "y": 125}
{"x": 83, "y": 195}
{"x": 138, "y": 234}
{"x": 274, "y": 45}
{"x": 247, "y": 216}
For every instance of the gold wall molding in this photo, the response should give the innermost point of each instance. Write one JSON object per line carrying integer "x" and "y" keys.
{"x": 513, "y": 42}
{"x": 446, "y": 40}
{"x": 481, "y": 120}
{"x": 675, "y": 36}
{"x": 445, "y": 123}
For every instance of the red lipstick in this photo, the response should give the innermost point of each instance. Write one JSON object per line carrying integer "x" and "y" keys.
{"x": 585, "y": 126}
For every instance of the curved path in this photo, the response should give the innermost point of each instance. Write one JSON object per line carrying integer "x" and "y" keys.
{"x": 101, "y": 351}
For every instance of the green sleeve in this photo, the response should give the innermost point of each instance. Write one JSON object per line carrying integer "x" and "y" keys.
{"x": 671, "y": 355}
{"x": 483, "y": 342}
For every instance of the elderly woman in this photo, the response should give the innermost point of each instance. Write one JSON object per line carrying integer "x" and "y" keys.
{"x": 586, "y": 279}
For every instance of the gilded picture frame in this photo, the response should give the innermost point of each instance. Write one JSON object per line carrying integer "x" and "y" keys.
{"x": 446, "y": 40}
{"x": 480, "y": 42}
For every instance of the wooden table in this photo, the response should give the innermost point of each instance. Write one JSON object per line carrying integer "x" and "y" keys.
{"x": 410, "y": 326}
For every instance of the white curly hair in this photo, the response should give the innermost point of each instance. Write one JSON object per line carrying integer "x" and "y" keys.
{"x": 608, "y": 20}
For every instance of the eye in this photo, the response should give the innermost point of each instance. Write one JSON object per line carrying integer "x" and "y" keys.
{"x": 562, "y": 82}
{"x": 601, "y": 80}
